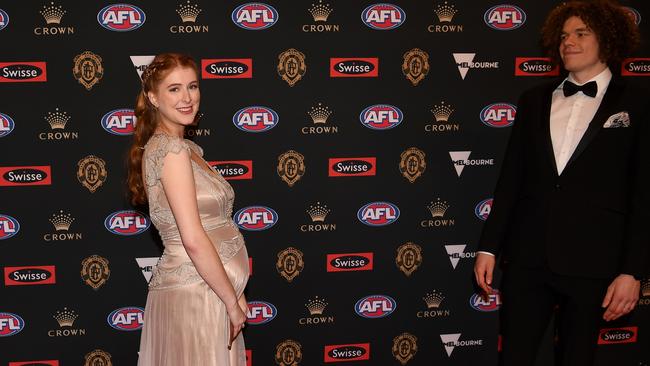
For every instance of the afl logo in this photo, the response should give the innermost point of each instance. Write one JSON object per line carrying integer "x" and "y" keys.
{"x": 10, "y": 324}
{"x": 255, "y": 218}
{"x": 127, "y": 222}
{"x": 127, "y": 319}
{"x": 483, "y": 208}
{"x": 121, "y": 17}
{"x": 378, "y": 214}
{"x": 6, "y": 125}
{"x": 255, "y": 119}
{"x": 255, "y": 16}
{"x": 498, "y": 115}
{"x": 381, "y": 117}
{"x": 383, "y": 16}
{"x": 119, "y": 122}
{"x": 8, "y": 226}
{"x": 4, "y": 19}
{"x": 491, "y": 303}
{"x": 260, "y": 312}
{"x": 375, "y": 306}
{"x": 504, "y": 17}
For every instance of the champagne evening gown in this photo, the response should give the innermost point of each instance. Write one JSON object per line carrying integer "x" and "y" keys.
{"x": 185, "y": 322}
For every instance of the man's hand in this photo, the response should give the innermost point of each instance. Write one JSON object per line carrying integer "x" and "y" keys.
{"x": 622, "y": 296}
{"x": 483, "y": 269}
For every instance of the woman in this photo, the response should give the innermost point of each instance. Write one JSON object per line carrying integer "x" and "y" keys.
{"x": 195, "y": 307}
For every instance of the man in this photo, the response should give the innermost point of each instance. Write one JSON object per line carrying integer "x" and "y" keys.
{"x": 571, "y": 207}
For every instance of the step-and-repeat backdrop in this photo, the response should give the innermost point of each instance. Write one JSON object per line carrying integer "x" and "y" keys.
{"x": 363, "y": 141}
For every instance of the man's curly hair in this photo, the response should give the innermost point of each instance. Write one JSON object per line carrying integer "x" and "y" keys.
{"x": 617, "y": 34}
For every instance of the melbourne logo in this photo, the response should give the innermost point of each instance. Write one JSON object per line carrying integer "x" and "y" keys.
{"x": 291, "y": 66}
{"x": 255, "y": 119}
{"x": 614, "y": 335}
{"x": 465, "y": 61}
{"x": 381, "y": 117}
{"x": 359, "y": 67}
{"x": 451, "y": 341}
{"x": 254, "y": 16}
{"x": 461, "y": 160}
{"x": 128, "y": 222}
{"x": 383, "y": 16}
{"x": 7, "y": 125}
{"x": 498, "y": 115}
{"x": 95, "y": 271}
{"x": 260, "y": 312}
{"x": 128, "y": 318}
{"x": 346, "y": 167}
{"x": 378, "y": 214}
{"x": 227, "y": 68}
{"x": 188, "y": 13}
{"x": 255, "y": 218}
{"x": 147, "y": 266}
{"x": 141, "y": 63}
{"x": 405, "y": 346}
{"x": 10, "y": 324}
{"x": 30, "y": 275}
{"x": 483, "y": 209}
{"x": 457, "y": 252}
{"x": 408, "y": 258}
{"x": 633, "y": 66}
{"x": 504, "y": 17}
{"x": 233, "y": 169}
{"x": 445, "y": 14}
{"x": 88, "y": 69}
{"x": 8, "y": 226}
{"x": 52, "y": 15}
{"x": 535, "y": 66}
{"x": 290, "y": 263}
{"x": 121, "y": 17}
{"x": 347, "y": 352}
{"x": 119, "y": 122}
{"x": 37, "y": 175}
{"x": 375, "y": 306}
{"x": 486, "y": 303}
{"x": 412, "y": 163}
{"x": 415, "y": 65}
{"x": 21, "y": 72}
{"x": 291, "y": 167}
{"x": 346, "y": 262}
{"x": 4, "y": 19}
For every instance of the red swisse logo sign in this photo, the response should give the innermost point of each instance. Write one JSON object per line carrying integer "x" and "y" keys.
{"x": 535, "y": 66}
{"x": 30, "y": 275}
{"x": 233, "y": 169}
{"x": 636, "y": 66}
{"x": 349, "y": 262}
{"x": 249, "y": 357}
{"x": 40, "y": 175}
{"x": 364, "y": 67}
{"x": 227, "y": 68}
{"x": 618, "y": 335}
{"x": 35, "y": 363}
{"x": 347, "y": 352}
{"x": 22, "y": 72}
{"x": 345, "y": 167}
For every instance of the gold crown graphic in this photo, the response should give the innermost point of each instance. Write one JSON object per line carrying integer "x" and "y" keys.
{"x": 188, "y": 12}
{"x": 438, "y": 208}
{"x": 316, "y": 306}
{"x": 433, "y": 299}
{"x": 645, "y": 288}
{"x": 65, "y": 317}
{"x": 52, "y": 13}
{"x": 61, "y": 221}
{"x": 445, "y": 12}
{"x": 319, "y": 114}
{"x": 320, "y": 12}
{"x": 57, "y": 120}
{"x": 318, "y": 212}
{"x": 442, "y": 112}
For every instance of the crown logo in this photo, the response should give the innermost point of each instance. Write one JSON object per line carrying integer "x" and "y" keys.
{"x": 442, "y": 112}
{"x": 319, "y": 114}
{"x": 645, "y": 288}
{"x": 52, "y": 13}
{"x": 433, "y": 299}
{"x": 320, "y": 12}
{"x": 438, "y": 208}
{"x": 61, "y": 221}
{"x": 57, "y": 120}
{"x": 445, "y": 12}
{"x": 316, "y": 306}
{"x": 65, "y": 317}
{"x": 188, "y": 12}
{"x": 318, "y": 212}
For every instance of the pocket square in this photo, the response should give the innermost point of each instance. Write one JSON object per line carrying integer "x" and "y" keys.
{"x": 620, "y": 119}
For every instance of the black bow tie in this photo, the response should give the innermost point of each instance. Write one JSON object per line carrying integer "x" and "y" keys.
{"x": 590, "y": 89}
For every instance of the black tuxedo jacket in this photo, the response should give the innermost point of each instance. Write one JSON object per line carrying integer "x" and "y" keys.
{"x": 591, "y": 221}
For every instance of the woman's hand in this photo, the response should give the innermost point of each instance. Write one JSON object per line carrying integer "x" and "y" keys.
{"x": 237, "y": 320}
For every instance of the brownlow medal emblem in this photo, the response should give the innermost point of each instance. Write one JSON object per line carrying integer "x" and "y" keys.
{"x": 291, "y": 167}
{"x": 290, "y": 263}
{"x": 91, "y": 172}
{"x": 404, "y": 347}
{"x": 88, "y": 69}
{"x": 95, "y": 271}
{"x": 416, "y": 65}
{"x": 291, "y": 66}
{"x": 288, "y": 353}
{"x": 412, "y": 163}
{"x": 409, "y": 257}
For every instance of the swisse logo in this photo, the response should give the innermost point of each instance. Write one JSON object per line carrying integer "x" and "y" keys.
{"x": 375, "y": 306}
{"x": 483, "y": 209}
{"x": 535, "y": 66}
{"x": 381, "y": 117}
{"x": 504, "y": 17}
{"x": 347, "y": 262}
{"x": 35, "y": 363}
{"x": 347, "y": 352}
{"x": 378, "y": 214}
{"x": 260, "y": 312}
{"x": 30, "y": 275}
{"x": 121, "y": 17}
{"x": 40, "y": 175}
{"x": 8, "y": 226}
{"x": 486, "y": 303}
{"x": 227, "y": 68}
{"x": 383, "y": 16}
{"x": 129, "y": 318}
{"x": 255, "y": 218}
{"x": 119, "y": 122}
{"x": 498, "y": 115}
{"x": 636, "y": 67}
{"x": 10, "y": 324}
{"x": 128, "y": 222}
{"x": 234, "y": 169}
{"x": 20, "y": 72}
{"x": 255, "y": 119}
{"x": 345, "y": 167}
{"x": 618, "y": 335}
{"x": 255, "y": 16}
{"x": 366, "y": 67}
{"x": 7, "y": 125}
